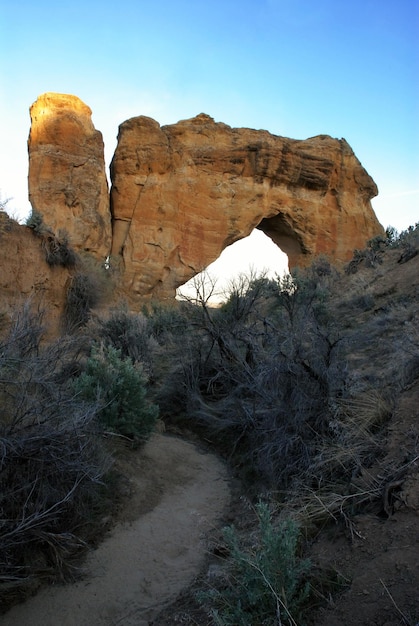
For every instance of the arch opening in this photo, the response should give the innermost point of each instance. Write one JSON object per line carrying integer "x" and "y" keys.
{"x": 284, "y": 236}
{"x": 258, "y": 253}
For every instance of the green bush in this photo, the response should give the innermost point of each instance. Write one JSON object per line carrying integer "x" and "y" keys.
{"x": 267, "y": 580}
{"x": 120, "y": 386}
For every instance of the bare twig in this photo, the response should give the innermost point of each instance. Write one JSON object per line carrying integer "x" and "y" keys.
{"x": 406, "y": 620}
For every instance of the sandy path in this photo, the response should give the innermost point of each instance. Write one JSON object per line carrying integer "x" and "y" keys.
{"x": 179, "y": 495}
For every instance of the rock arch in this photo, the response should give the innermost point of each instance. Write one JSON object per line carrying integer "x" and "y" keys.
{"x": 255, "y": 255}
{"x": 181, "y": 193}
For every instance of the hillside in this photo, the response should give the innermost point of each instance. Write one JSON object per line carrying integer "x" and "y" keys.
{"x": 378, "y": 551}
{"x": 307, "y": 386}
{"x": 361, "y": 526}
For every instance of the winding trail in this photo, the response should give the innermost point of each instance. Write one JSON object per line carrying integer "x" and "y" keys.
{"x": 179, "y": 496}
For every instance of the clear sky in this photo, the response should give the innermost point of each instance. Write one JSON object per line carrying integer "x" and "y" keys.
{"x": 297, "y": 68}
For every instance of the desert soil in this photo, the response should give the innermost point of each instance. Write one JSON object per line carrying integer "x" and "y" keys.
{"x": 178, "y": 495}
{"x": 379, "y": 557}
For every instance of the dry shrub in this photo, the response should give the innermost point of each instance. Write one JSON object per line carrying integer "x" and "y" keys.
{"x": 131, "y": 334}
{"x": 52, "y": 462}
{"x": 87, "y": 287}
{"x": 339, "y": 481}
{"x": 56, "y": 247}
{"x": 260, "y": 372}
{"x": 57, "y": 250}
{"x": 82, "y": 296}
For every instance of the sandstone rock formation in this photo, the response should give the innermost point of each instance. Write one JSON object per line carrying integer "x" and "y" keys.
{"x": 67, "y": 178}
{"x": 25, "y": 275}
{"x": 182, "y": 193}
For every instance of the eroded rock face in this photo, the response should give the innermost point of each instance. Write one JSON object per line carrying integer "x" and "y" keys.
{"x": 25, "y": 275}
{"x": 67, "y": 179}
{"x": 182, "y": 193}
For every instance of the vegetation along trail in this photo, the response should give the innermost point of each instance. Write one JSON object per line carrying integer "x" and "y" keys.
{"x": 179, "y": 495}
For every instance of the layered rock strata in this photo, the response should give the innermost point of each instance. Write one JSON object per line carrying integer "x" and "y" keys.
{"x": 182, "y": 193}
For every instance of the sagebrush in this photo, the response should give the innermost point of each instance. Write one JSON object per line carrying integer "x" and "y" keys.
{"x": 267, "y": 579}
{"x": 119, "y": 387}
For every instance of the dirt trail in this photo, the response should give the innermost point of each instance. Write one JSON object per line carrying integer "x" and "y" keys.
{"x": 179, "y": 495}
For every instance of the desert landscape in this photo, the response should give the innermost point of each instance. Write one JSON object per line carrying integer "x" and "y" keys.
{"x": 166, "y": 461}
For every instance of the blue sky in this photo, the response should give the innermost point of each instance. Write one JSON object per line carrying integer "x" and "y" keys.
{"x": 297, "y": 68}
